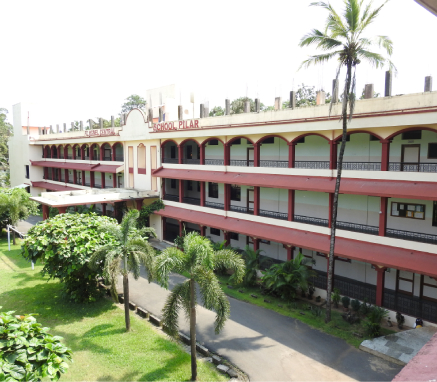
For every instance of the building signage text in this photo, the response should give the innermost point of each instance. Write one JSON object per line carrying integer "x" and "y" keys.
{"x": 100, "y": 132}
{"x": 178, "y": 125}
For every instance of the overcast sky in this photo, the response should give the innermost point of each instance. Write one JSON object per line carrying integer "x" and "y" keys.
{"x": 74, "y": 60}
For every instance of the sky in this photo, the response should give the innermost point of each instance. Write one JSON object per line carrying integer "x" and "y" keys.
{"x": 75, "y": 60}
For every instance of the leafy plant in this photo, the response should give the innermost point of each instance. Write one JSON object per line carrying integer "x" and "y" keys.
{"x": 365, "y": 307}
{"x": 356, "y": 305}
{"x": 400, "y": 319}
{"x": 311, "y": 291}
{"x": 28, "y": 352}
{"x": 336, "y": 297}
{"x": 65, "y": 244}
{"x": 253, "y": 263}
{"x": 131, "y": 249}
{"x": 146, "y": 211}
{"x": 287, "y": 278}
{"x": 345, "y": 300}
{"x": 374, "y": 318}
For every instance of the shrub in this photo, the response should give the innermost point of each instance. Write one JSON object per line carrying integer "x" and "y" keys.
{"x": 253, "y": 263}
{"x": 28, "y": 352}
{"x": 336, "y": 297}
{"x": 146, "y": 211}
{"x": 65, "y": 243}
{"x": 345, "y": 300}
{"x": 356, "y": 305}
{"x": 365, "y": 307}
{"x": 374, "y": 318}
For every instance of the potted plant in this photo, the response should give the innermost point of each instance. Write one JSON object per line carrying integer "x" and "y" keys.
{"x": 311, "y": 291}
{"x": 336, "y": 297}
{"x": 400, "y": 320}
{"x": 345, "y": 301}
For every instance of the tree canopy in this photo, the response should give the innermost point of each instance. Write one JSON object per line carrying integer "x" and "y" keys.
{"x": 133, "y": 102}
{"x": 6, "y": 130}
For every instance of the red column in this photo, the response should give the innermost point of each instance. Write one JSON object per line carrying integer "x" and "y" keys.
{"x": 331, "y": 207}
{"x": 181, "y": 191}
{"x": 180, "y": 154}
{"x": 104, "y": 209}
{"x": 256, "y": 154}
{"x": 255, "y": 243}
{"x": 92, "y": 183}
{"x": 291, "y": 154}
{"x": 385, "y": 154}
{"x": 114, "y": 180}
{"x": 102, "y": 181}
{"x": 333, "y": 155}
{"x": 227, "y": 197}
{"x": 380, "y": 281}
{"x": 46, "y": 173}
{"x": 139, "y": 204}
{"x": 227, "y": 154}
{"x": 290, "y": 205}
{"x": 83, "y": 178}
{"x": 202, "y": 154}
{"x": 256, "y": 200}
{"x": 66, "y": 176}
{"x": 290, "y": 250}
{"x": 202, "y": 194}
{"x": 62, "y": 210}
{"x": 181, "y": 228}
{"x": 383, "y": 216}
{"x": 45, "y": 212}
{"x": 226, "y": 236}
{"x": 202, "y": 230}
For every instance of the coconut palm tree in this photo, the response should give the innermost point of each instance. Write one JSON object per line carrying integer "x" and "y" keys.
{"x": 199, "y": 260}
{"x": 343, "y": 39}
{"x": 133, "y": 250}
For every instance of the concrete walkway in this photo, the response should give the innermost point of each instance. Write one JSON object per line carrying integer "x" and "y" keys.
{"x": 25, "y": 225}
{"x": 269, "y": 346}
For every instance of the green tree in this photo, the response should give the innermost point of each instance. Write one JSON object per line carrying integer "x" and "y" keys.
{"x": 65, "y": 244}
{"x": 237, "y": 105}
{"x": 15, "y": 205}
{"x": 6, "y": 130}
{"x": 343, "y": 39}
{"x": 306, "y": 96}
{"x": 131, "y": 249}
{"x": 133, "y": 102}
{"x": 146, "y": 211}
{"x": 253, "y": 264}
{"x": 217, "y": 111}
{"x": 199, "y": 260}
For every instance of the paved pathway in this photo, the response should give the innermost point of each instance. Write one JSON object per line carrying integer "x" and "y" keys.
{"x": 25, "y": 225}
{"x": 269, "y": 346}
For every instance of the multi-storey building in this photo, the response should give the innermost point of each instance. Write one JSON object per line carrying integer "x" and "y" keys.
{"x": 266, "y": 179}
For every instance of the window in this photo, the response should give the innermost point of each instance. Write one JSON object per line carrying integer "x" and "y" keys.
{"x": 189, "y": 185}
{"x": 198, "y": 186}
{"x": 233, "y": 236}
{"x": 172, "y": 152}
{"x": 265, "y": 241}
{"x": 268, "y": 140}
{"x": 432, "y": 150}
{"x": 235, "y": 193}
{"x": 172, "y": 183}
{"x": 434, "y": 214}
{"x": 141, "y": 159}
{"x": 214, "y": 231}
{"x": 416, "y": 134}
{"x": 189, "y": 152}
{"x": 373, "y": 138}
{"x": 27, "y": 171}
{"x": 237, "y": 142}
{"x": 302, "y": 140}
{"x": 408, "y": 210}
{"x": 213, "y": 142}
{"x": 213, "y": 190}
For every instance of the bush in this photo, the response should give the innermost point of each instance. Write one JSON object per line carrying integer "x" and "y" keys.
{"x": 15, "y": 205}
{"x": 253, "y": 263}
{"x": 65, "y": 243}
{"x": 146, "y": 211}
{"x": 28, "y": 352}
{"x": 365, "y": 307}
{"x": 336, "y": 297}
{"x": 374, "y": 318}
{"x": 345, "y": 300}
{"x": 356, "y": 305}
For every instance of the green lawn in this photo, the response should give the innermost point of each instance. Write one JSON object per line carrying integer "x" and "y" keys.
{"x": 337, "y": 327}
{"x": 102, "y": 350}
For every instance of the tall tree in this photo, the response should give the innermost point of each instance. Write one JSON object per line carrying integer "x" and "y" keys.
{"x": 343, "y": 39}
{"x": 133, "y": 102}
{"x": 199, "y": 260}
{"x": 6, "y": 131}
{"x": 237, "y": 105}
{"x": 132, "y": 250}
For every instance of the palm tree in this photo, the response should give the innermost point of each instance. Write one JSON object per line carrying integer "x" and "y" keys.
{"x": 343, "y": 39}
{"x": 199, "y": 260}
{"x": 133, "y": 250}
{"x": 253, "y": 263}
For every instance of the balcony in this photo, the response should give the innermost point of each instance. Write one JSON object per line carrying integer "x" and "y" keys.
{"x": 171, "y": 198}
{"x": 274, "y": 163}
{"x": 312, "y": 165}
{"x": 214, "y": 162}
{"x": 412, "y": 236}
{"x": 193, "y": 201}
{"x": 97, "y": 186}
{"x": 119, "y": 158}
{"x": 274, "y": 214}
{"x": 362, "y": 166}
{"x": 311, "y": 220}
{"x": 88, "y": 184}
{"x": 413, "y": 167}
{"x": 217, "y": 206}
{"x": 241, "y": 162}
{"x": 354, "y": 227}
{"x": 190, "y": 161}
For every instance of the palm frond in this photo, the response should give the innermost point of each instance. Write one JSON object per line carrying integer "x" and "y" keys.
{"x": 170, "y": 312}
{"x": 170, "y": 259}
{"x": 99, "y": 256}
{"x": 147, "y": 231}
{"x": 314, "y": 37}
{"x": 318, "y": 59}
{"x": 141, "y": 253}
{"x": 231, "y": 260}
{"x": 128, "y": 223}
{"x": 385, "y": 43}
{"x": 370, "y": 16}
{"x": 199, "y": 250}
{"x": 373, "y": 58}
{"x": 352, "y": 14}
{"x": 112, "y": 229}
{"x": 334, "y": 19}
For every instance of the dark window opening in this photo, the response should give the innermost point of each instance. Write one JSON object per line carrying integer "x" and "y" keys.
{"x": 432, "y": 150}
{"x": 213, "y": 190}
{"x": 233, "y": 236}
{"x": 416, "y": 134}
{"x": 189, "y": 152}
{"x": 189, "y": 185}
{"x": 198, "y": 152}
{"x": 268, "y": 140}
{"x": 172, "y": 183}
{"x": 213, "y": 142}
{"x": 198, "y": 186}
{"x": 235, "y": 193}
{"x": 434, "y": 214}
{"x": 215, "y": 231}
{"x": 172, "y": 152}
{"x": 374, "y": 138}
{"x": 302, "y": 140}
{"x": 237, "y": 142}
{"x": 27, "y": 171}
{"x": 265, "y": 241}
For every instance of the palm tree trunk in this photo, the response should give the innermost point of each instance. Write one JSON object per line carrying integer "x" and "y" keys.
{"x": 337, "y": 189}
{"x": 13, "y": 237}
{"x": 126, "y": 301}
{"x": 193, "y": 332}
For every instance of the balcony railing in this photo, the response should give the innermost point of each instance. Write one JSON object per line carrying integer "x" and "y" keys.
{"x": 362, "y": 166}
{"x": 273, "y": 214}
{"x": 311, "y": 220}
{"x": 193, "y": 201}
{"x": 274, "y": 163}
{"x": 217, "y": 206}
{"x": 241, "y": 209}
{"x": 98, "y": 186}
{"x": 170, "y": 160}
{"x": 412, "y": 236}
{"x": 88, "y": 184}
{"x": 79, "y": 182}
{"x": 69, "y": 156}
{"x": 119, "y": 158}
{"x": 243, "y": 163}
{"x": 107, "y": 159}
{"x": 171, "y": 198}
{"x": 363, "y": 228}
{"x": 191, "y": 161}
{"x": 214, "y": 162}
{"x": 413, "y": 167}
{"x": 70, "y": 181}
{"x": 312, "y": 165}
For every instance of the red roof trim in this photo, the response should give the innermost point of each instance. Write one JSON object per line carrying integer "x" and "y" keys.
{"x": 371, "y": 187}
{"x": 372, "y": 253}
{"x": 53, "y": 187}
{"x": 77, "y": 166}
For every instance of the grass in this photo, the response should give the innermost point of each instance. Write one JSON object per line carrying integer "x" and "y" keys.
{"x": 337, "y": 327}
{"x": 102, "y": 350}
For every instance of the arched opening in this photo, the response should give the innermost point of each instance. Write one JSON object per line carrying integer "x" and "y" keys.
{"x": 117, "y": 151}
{"x": 47, "y": 152}
{"x": 106, "y": 152}
{"x": 362, "y": 152}
{"x": 413, "y": 150}
{"x": 77, "y": 152}
{"x": 170, "y": 152}
{"x": 95, "y": 152}
{"x": 141, "y": 159}
{"x": 312, "y": 152}
{"x": 241, "y": 152}
{"x": 273, "y": 152}
{"x": 214, "y": 152}
{"x": 54, "y": 152}
{"x": 61, "y": 152}
{"x": 190, "y": 152}
{"x": 68, "y": 152}
{"x": 85, "y": 152}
